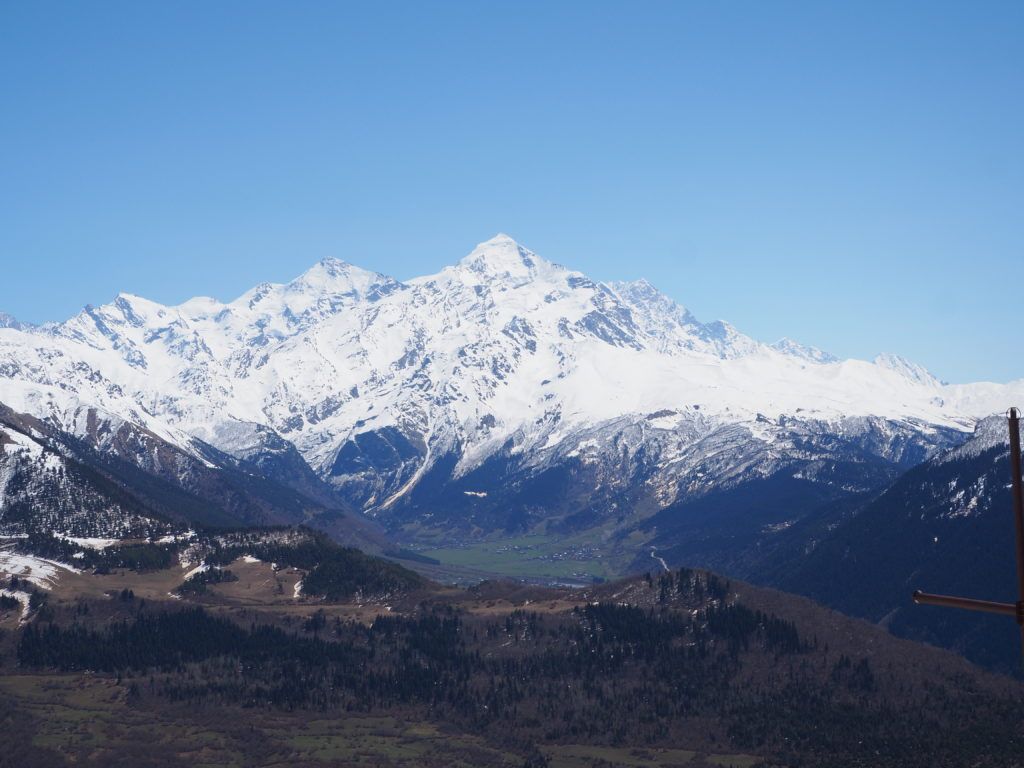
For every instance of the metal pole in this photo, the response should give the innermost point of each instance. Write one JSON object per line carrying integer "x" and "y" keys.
{"x": 968, "y": 603}
{"x": 1018, "y": 511}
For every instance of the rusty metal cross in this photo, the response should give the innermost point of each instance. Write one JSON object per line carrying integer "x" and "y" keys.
{"x": 1016, "y": 610}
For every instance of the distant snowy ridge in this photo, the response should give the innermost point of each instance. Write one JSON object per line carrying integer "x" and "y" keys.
{"x": 9, "y": 321}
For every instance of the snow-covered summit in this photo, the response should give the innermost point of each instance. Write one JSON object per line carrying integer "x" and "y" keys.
{"x": 503, "y": 259}
{"x": 336, "y": 277}
{"x": 911, "y": 370}
{"x": 811, "y": 354}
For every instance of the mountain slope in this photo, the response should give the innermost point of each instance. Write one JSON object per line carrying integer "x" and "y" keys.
{"x": 45, "y": 491}
{"x": 117, "y": 479}
{"x": 945, "y": 526}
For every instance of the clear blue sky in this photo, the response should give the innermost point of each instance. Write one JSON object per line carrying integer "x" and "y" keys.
{"x": 847, "y": 174}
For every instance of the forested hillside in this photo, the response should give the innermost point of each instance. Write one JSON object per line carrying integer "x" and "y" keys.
{"x": 678, "y": 659}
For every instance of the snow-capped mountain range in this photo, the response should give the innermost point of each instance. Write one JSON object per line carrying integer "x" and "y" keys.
{"x": 473, "y": 385}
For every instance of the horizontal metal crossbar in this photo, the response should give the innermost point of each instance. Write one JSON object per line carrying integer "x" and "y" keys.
{"x": 967, "y": 603}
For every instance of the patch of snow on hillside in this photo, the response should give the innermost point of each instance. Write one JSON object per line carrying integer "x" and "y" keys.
{"x": 21, "y": 597}
{"x": 39, "y": 571}
{"x": 198, "y": 569}
{"x": 88, "y": 542}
